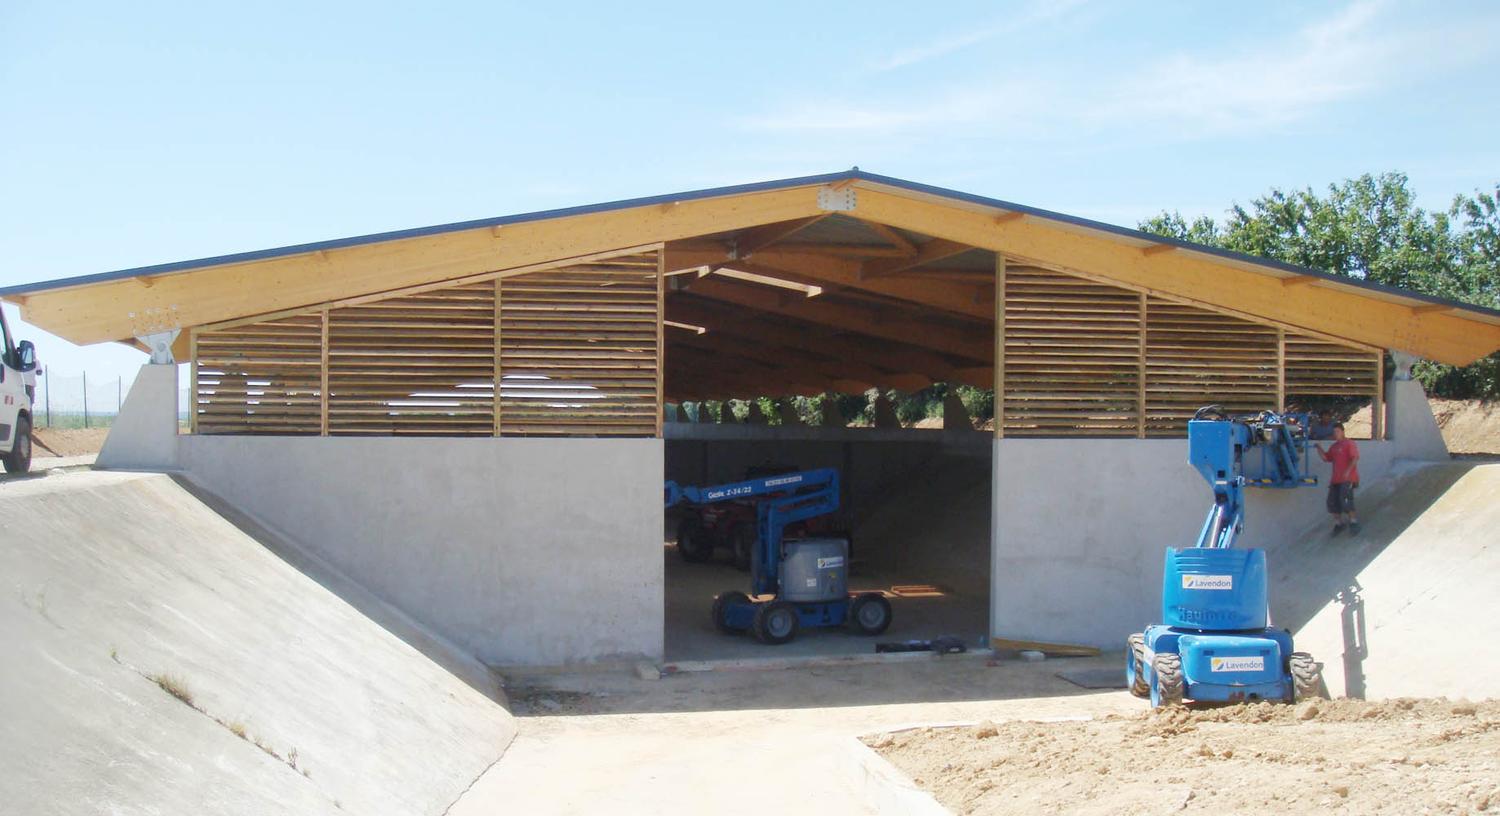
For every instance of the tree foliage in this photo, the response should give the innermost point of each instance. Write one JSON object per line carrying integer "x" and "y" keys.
{"x": 1370, "y": 228}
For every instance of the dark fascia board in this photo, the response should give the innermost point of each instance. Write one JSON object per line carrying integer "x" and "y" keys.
{"x": 854, "y": 174}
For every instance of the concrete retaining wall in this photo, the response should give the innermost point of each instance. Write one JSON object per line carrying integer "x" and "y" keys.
{"x": 522, "y": 551}
{"x": 1080, "y": 525}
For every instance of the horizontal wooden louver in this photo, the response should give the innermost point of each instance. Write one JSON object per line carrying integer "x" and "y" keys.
{"x": 1195, "y": 357}
{"x": 579, "y": 350}
{"x": 416, "y": 364}
{"x": 1316, "y": 368}
{"x": 263, "y": 378}
{"x": 1084, "y": 358}
{"x": 1071, "y": 356}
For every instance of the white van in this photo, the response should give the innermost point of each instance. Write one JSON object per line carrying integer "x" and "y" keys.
{"x": 17, "y": 393}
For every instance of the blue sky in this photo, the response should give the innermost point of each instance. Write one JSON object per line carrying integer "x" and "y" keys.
{"x": 145, "y": 132}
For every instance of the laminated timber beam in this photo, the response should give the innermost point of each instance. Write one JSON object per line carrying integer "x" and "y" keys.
{"x": 114, "y": 310}
{"x": 796, "y": 334}
{"x": 802, "y": 360}
{"x": 931, "y": 252}
{"x": 1196, "y": 279}
{"x": 973, "y": 299}
{"x": 893, "y": 323}
{"x": 753, "y": 240}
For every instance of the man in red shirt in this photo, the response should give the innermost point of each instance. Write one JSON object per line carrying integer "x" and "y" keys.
{"x": 1344, "y": 455}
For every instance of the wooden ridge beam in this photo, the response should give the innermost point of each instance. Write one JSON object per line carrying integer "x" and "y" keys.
{"x": 1195, "y": 279}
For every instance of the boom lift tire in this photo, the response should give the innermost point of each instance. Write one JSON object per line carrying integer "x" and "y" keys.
{"x": 742, "y": 544}
{"x": 1135, "y": 647}
{"x": 775, "y": 622}
{"x": 1307, "y": 677}
{"x": 1168, "y": 687}
{"x": 722, "y": 602}
{"x": 19, "y": 458}
{"x": 870, "y": 613}
{"x": 693, "y": 543}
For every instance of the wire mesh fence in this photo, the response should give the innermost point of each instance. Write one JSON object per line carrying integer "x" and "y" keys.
{"x": 78, "y": 400}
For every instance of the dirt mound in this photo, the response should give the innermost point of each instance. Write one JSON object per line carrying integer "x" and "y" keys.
{"x": 1395, "y": 756}
{"x": 1469, "y": 426}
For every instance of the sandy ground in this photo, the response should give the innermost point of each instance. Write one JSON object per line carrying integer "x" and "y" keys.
{"x": 68, "y": 441}
{"x": 1399, "y": 756}
{"x": 751, "y": 741}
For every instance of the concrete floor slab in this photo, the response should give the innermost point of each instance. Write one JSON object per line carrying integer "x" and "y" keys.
{"x": 769, "y": 742}
{"x": 691, "y": 636}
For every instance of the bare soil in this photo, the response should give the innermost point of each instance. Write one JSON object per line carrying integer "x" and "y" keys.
{"x": 1400, "y": 756}
{"x": 68, "y": 441}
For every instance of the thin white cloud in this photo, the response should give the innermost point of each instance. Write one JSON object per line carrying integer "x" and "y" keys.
{"x": 1325, "y": 62}
{"x": 1356, "y": 51}
{"x": 1034, "y": 13}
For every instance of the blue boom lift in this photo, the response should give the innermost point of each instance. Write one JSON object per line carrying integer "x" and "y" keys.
{"x": 807, "y": 578}
{"x": 1215, "y": 643}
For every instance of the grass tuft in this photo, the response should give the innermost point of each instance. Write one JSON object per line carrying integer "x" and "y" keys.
{"x": 175, "y": 686}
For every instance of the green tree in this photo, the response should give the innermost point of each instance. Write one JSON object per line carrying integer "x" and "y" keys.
{"x": 1370, "y": 228}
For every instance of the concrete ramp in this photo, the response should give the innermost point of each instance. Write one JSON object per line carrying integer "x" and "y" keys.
{"x": 160, "y": 659}
{"x": 1407, "y": 607}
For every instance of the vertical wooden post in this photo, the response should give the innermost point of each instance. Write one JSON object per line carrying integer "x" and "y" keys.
{"x": 1140, "y": 374}
{"x": 999, "y": 346}
{"x": 497, "y": 354}
{"x": 1280, "y": 369}
{"x": 192, "y": 383}
{"x": 661, "y": 277}
{"x": 323, "y": 380}
{"x": 1377, "y": 408}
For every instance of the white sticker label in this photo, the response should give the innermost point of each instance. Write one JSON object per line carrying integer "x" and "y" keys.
{"x": 1208, "y": 582}
{"x": 812, "y": 583}
{"x": 829, "y": 563}
{"x": 1253, "y": 663}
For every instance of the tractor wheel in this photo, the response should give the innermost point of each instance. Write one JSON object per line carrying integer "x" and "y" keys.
{"x": 1307, "y": 676}
{"x": 722, "y": 602}
{"x": 775, "y": 622}
{"x": 1167, "y": 690}
{"x": 1135, "y": 665}
{"x": 742, "y": 545}
{"x": 870, "y": 613}
{"x": 693, "y": 542}
{"x": 19, "y": 458}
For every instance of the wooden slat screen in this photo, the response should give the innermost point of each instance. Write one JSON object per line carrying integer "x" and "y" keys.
{"x": 579, "y": 356}
{"x": 1088, "y": 359}
{"x": 1316, "y": 368}
{"x": 260, "y": 379}
{"x": 1195, "y": 357}
{"x": 416, "y": 364}
{"x": 1071, "y": 356}
{"x": 580, "y": 350}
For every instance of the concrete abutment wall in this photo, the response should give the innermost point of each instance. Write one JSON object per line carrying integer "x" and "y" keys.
{"x": 1081, "y": 526}
{"x": 521, "y": 551}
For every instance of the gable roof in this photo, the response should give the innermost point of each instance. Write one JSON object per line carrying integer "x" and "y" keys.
{"x": 120, "y": 304}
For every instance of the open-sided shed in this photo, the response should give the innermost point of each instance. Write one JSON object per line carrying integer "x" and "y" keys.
{"x": 342, "y": 390}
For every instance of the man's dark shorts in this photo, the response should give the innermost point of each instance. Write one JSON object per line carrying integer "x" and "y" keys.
{"x": 1341, "y": 497}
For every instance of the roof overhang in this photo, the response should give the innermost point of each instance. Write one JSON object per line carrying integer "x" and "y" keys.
{"x": 121, "y": 305}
